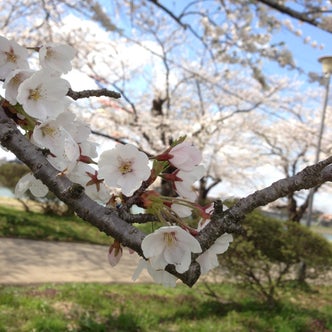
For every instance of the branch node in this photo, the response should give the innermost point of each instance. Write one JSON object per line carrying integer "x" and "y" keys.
{"x": 75, "y": 191}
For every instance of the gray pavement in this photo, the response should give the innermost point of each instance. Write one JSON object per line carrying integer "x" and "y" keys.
{"x": 28, "y": 261}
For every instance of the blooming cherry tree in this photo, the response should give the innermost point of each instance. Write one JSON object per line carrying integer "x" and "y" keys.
{"x": 36, "y": 124}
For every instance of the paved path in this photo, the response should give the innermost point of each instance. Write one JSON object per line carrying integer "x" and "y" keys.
{"x": 27, "y": 261}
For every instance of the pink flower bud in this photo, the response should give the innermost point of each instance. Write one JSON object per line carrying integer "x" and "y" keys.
{"x": 115, "y": 253}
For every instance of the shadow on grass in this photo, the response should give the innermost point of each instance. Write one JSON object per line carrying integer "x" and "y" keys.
{"x": 257, "y": 316}
{"x": 122, "y": 323}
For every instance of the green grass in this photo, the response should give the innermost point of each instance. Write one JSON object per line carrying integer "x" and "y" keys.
{"x": 38, "y": 226}
{"x": 97, "y": 308}
{"x": 85, "y": 307}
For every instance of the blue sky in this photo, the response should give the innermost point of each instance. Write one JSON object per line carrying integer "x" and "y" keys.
{"x": 305, "y": 55}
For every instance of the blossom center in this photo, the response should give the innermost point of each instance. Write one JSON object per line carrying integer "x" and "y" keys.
{"x": 48, "y": 131}
{"x": 17, "y": 79}
{"x": 125, "y": 167}
{"x": 49, "y": 53}
{"x": 11, "y": 57}
{"x": 34, "y": 94}
{"x": 169, "y": 238}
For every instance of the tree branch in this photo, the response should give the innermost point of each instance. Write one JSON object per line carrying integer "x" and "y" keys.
{"x": 93, "y": 93}
{"x": 108, "y": 220}
{"x": 105, "y": 219}
{"x": 304, "y": 17}
{"x": 229, "y": 221}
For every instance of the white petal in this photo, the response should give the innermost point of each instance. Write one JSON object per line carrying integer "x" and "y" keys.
{"x": 159, "y": 262}
{"x": 23, "y": 185}
{"x": 188, "y": 240}
{"x": 38, "y": 189}
{"x": 152, "y": 245}
{"x": 207, "y": 261}
{"x": 142, "y": 264}
{"x": 185, "y": 263}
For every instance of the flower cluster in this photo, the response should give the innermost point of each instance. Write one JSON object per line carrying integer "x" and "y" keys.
{"x": 38, "y": 101}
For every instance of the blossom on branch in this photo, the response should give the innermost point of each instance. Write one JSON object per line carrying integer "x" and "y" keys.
{"x": 56, "y": 57}
{"x": 64, "y": 151}
{"x": 29, "y": 182}
{"x": 12, "y": 56}
{"x": 185, "y": 156}
{"x": 160, "y": 277}
{"x": 43, "y": 96}
{"x": 184, "y": 184}
{"x": 13, "y": 81}
{"x": 209, "y": 259}
{"x": 170, "y": 245}
{"x": 115, "y": 253}
{"x": 124, "y": 167}
{"x": 88, "y": 177}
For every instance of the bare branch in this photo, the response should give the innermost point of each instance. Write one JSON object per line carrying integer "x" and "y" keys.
{"x": 228, "y": 221}
{"x": 93, "y": 93}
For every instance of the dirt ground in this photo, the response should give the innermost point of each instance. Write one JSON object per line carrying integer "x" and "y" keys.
{"x": 27, "y": 261}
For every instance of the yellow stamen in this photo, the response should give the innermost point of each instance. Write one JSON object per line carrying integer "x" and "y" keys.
{"x": 169, "y": 238}
{"x": 125, "y": 167}
{"x": 34, "y": 94}
{"x": 11, "y": 57}
{"x": 49, "y": 53}
{"x": 48, "y": 131}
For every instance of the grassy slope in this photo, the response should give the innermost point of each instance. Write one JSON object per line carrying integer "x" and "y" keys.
{"x": 35, "y": 225}
{"x": 95, "y": 307}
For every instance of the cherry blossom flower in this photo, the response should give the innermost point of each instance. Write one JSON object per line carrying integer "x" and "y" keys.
{"x": 43, "y": 96}
{"x": 184, "y": 187}
{"x": 170, "y": 245}
{"x": 185, "y": 156}
{"x": 29, "y": 182}
{"x": 12, "y": 56}
{"x": 56, "y": 57}
{"x": 124, "y": 167}
{"x": 79, "y": 130}
{"x": 88, "y": 177}
{"x": 13, "y": 81}
{"x": 209, "y": 259}
{"x": 160, "y": 277}
{"x": 66, "y": 159}
{"x": 64, "y": 150}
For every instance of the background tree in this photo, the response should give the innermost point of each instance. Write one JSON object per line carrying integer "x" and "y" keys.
{"x": 194, "y": 63}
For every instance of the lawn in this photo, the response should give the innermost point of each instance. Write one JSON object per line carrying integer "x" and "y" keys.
{"x": 37, "y": 226}
{"x": 115, "y": 307}
{"x": 95, "y": 307}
